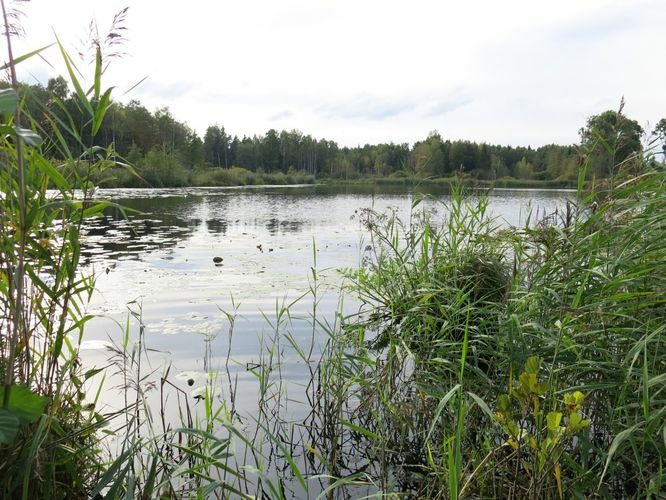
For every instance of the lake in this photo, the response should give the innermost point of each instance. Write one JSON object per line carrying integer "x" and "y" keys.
{"x": 239, "y": 318}
{"x": 161, "y": 258}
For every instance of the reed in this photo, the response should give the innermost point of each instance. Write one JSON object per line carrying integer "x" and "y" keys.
{"x": 479, "y": 361}
{"x": 48, "y": 433}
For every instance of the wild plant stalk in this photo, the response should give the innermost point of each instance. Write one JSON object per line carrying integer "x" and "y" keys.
{"x": 43, "y": 412}
{"x": 16, "y": 269}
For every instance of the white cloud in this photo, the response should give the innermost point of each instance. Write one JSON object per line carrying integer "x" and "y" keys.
{"x": 518, "y": 71}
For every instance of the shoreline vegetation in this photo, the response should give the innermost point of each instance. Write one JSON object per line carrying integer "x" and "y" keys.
{"x": 155, "y": 149}
{"x": 238, "y": 177}
{"x": 483, "y": 362}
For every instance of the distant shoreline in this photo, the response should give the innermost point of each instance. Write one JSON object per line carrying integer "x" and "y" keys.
{"x": 240, "y": 177}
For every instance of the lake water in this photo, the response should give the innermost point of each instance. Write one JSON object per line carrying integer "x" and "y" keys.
{"x": 162, "y": 258}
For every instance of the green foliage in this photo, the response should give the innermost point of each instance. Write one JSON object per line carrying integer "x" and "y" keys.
{"x": 22, "y": 407}
{"x": 610, "y": 139}
{"x": 660, "y": 133}
{"x": 137, "y": 133}
{"x": 539, "y": 444}
{"x": 236, "y": 176}
{"x": 523, "y": 169}
{"x": 410, "y": 396}
{"x": 48, "y": 439}
{"x": 161, "y": 169}
{"x": 451, "y": 307}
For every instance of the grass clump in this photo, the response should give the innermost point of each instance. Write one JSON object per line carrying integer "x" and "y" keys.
{"x": 522, "y": 363}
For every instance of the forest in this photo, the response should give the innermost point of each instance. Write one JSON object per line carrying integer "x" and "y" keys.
{"x": 166, "y": 152}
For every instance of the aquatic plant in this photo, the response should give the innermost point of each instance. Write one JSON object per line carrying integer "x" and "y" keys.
{"x": 450, "y": 312}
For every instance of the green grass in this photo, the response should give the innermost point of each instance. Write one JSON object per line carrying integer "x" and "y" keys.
{"x": 452, "y": 313}
{"x": 482, "y": 362}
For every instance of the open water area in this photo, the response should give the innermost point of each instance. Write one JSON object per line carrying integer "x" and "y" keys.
{"x": 155, "y": 266}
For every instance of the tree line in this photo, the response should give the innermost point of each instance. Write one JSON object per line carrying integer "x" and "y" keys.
{"x": 165, "y": 151}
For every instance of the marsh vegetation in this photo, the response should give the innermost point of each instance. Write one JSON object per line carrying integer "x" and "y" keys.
{"x": 479, "y": 360}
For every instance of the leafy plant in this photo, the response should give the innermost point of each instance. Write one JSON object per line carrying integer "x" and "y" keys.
{"x": 538, "y": 438}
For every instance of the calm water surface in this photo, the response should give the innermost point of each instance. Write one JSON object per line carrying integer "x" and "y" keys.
{"x": 269, "y": 238}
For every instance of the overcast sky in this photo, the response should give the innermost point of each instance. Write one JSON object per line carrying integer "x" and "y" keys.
{"x": 367, "y": 71}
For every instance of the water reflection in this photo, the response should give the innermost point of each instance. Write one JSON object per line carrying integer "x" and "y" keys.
{"x": 265, "y": 240}
{"x": 217, "y": 226}
{"x": 112, "y": 238}
{"x": 187, "y": 255}
{"x": 286, "y": 226}
{"x": 148, "y": 224}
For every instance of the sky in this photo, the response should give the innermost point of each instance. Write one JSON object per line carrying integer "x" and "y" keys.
{"x": 518, "y": 72}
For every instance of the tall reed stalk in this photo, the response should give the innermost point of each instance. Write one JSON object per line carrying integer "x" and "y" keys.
{"x": 47, "y": 431}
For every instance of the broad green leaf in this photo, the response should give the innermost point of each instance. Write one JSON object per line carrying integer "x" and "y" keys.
{"x": 100, "y": 110}
{"x": 573, "y": 400}
{"x": 95, "y": 209}
{"x": 554, "y": 418}
{"x": 617, "y": 441}
{"x": 116, "y": 470}
{"x": 528, "y": 381}
{"x": 504, "y": 403}
{"x": 52, "y": 174}
{"x": 98, "y": 74}
{"x": 24, "y": 404}
{"x": 352, "y": 479}
{"x": 83, "y": 98}
{"x": 541, "y": 388}
{"x": 9, "y": 425}
{"x": 440, "y": 407}
{"x": 532, "y": 365}
{"x": 577, "y": 423}
{"x": 482, "y": 404}
{"x": 361, "y": 430}
{"x": 8, "y": 100}
{"x": 574, "y": 419}
{"x": 91, "y": 373}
